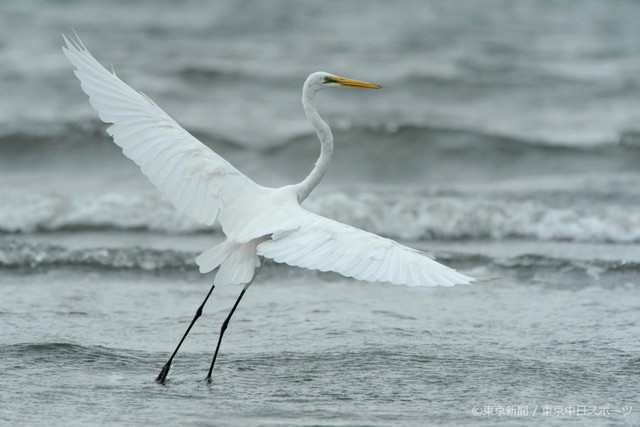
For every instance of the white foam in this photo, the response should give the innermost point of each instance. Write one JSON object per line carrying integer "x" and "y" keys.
{"x": 28, "y": 212}
{"x": 401, "y": 216}
{"x": 415, "y": 217}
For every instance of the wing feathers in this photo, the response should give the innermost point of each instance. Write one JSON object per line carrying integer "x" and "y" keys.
{"x": 322, "y": 244}
{"x": 191, "y": 174}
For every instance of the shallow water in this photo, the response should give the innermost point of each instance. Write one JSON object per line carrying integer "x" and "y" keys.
{"x": 308, "y": 348}
{"x": 505, "y": 142}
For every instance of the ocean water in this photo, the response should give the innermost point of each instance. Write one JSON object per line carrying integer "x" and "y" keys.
{"x": 506, "y": 142}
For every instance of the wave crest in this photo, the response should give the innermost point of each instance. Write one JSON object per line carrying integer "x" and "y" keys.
{"x": 410, "y": 216}
{"x": 30, "y": 212}
{"x": 456, "y": 217}
{"x": 36, "y": 255}
{"x": 561, "y": 270}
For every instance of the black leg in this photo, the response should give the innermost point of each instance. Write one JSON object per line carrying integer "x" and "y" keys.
{"x": 224, "y": 328}
{"x": 165, "y": 370}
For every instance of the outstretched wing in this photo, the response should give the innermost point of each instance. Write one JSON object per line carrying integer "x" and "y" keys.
{"x": 319, "y": 243}
{"x": 188, "y": 172}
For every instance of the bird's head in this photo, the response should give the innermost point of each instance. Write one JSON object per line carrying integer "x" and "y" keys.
{"x": 322, "y": 80}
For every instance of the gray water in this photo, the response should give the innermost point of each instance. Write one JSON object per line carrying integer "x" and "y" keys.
{"x": 505, "y": 142}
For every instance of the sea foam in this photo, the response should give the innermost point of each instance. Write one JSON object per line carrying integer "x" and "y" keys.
{"x": 411, "y": 217}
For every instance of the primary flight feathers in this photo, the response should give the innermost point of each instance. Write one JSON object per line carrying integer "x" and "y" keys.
{"x": 179, "y": 165}
{"x": 257, "y": 220}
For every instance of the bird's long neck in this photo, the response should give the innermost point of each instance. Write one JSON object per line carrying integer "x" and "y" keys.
{"x": 326, "y": 146}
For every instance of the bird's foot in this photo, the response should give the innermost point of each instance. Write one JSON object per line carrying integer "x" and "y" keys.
{"x": 160, "y": 379}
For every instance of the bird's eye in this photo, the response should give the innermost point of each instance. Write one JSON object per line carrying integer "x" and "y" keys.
{"x": 329, "y": 79}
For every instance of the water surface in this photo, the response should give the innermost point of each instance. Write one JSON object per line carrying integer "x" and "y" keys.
{"x": 505, "y": 142}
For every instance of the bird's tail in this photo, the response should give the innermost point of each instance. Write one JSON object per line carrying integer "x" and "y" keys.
{"x": 237, "y": 262}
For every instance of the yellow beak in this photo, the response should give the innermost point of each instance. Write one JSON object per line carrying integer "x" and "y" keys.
{"x": 355, "y": 83}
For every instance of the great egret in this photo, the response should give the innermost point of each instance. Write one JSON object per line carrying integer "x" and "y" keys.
{"x": 258, "y": 221}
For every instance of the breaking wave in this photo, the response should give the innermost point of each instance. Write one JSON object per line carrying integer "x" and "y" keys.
{"x": 20, "y": 255}
{"x": 34, "y": 257}
{"x": 412, "y": 216}
{"x": 455, "y": 217}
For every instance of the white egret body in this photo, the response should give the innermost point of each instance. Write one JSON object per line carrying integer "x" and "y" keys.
{"x": 258, "y": 221}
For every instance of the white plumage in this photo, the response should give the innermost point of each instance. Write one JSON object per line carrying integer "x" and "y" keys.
{"x": 258, "y": 221}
